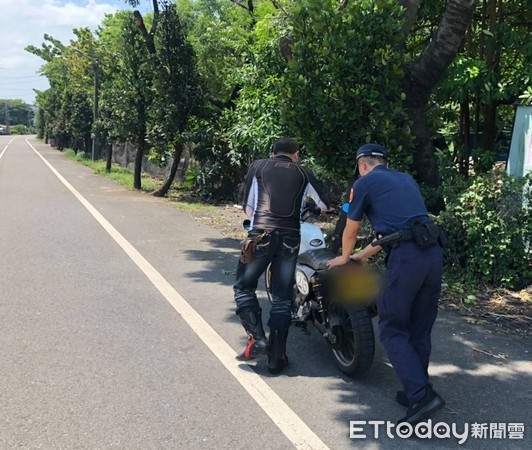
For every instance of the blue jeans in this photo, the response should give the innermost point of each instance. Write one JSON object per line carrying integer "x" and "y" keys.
{"x": 281, "y": 250}
{"x": 407, "y": 311}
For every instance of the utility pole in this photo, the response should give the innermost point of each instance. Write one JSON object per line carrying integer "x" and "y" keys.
{"x": 6, "y": 112}
{"x": 95, "y": 68}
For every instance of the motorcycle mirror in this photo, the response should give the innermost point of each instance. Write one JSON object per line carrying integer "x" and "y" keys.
{"x": 247, "y": 224}
{"x": 345, "y": 207}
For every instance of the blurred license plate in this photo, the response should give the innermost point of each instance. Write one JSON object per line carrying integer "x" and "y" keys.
{"x": 356, "y": 284}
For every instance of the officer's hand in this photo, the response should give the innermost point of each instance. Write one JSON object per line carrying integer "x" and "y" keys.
{"x": 338, "y": 261}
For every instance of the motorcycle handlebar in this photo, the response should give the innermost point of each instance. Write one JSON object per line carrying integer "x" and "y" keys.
{"x": 309, "y": 210}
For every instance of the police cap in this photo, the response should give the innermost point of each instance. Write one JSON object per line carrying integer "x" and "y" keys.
{"x": 371, "y": 150}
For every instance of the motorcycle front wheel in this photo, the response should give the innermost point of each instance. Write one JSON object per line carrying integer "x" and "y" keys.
{"x": 355, "y": 341}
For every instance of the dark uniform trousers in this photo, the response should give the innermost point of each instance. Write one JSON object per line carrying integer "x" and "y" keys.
{"x": 407, "y": 309}
{"x": 280, "y": 249}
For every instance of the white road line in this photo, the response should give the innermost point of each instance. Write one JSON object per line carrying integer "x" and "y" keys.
{"x": 279, "y": 412}
{"x": 5, "y": 148}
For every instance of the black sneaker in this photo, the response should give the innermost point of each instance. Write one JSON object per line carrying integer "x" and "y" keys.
{"x": 424, "y": 408}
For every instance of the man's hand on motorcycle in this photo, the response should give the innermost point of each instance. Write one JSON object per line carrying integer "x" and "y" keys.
{"x": 338, "y": 261}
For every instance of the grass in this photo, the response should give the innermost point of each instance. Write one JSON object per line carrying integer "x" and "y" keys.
{"x": 124, "y": 177}
{"x": 191, "y": 207}
{"x": 120, "y": 174}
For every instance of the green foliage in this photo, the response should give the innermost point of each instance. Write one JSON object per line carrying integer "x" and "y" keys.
{"x": 19, "y": 129}
{"x": 343, "y": 83}
{"x": 526, "y": 97}
{"x": 19, "y": 112}
{"x": 490, "y": 227}
{"x": 65, "y": 110}
{"x": 220, "y": 34}
{"x": 492, "y": 72}
{"x": 177, "y": 92}
{"x": 127, "y": 86}
{"x": 218, "y": 82}
{"x": 242, "y": 127}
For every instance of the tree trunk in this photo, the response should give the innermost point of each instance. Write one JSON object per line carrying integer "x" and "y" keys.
{"x": 410, "y": 13}
{"x": 109, "y": 158}
{"x": 137, "y": 183}
{"x": 465, "y": 132}
{"x": 420, "y": 78}
{"x": 490, "y": 134}
{"x": 490, "y": 108}
{"x": 175, "y": 163}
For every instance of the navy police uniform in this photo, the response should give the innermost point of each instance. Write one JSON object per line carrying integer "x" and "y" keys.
{"x": 408, "y": 303}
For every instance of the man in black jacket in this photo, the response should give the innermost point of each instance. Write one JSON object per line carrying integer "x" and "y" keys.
{"x": 274, "y": 192}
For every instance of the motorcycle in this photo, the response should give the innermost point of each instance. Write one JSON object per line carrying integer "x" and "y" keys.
{"x": 345, "y": 321}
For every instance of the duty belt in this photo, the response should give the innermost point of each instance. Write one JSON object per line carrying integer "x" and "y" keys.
{"x": 394, "y": 239}
{"x": 425, "y": 235}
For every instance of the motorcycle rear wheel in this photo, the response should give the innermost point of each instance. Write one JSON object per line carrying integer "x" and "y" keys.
{"x": 355, "y": 348}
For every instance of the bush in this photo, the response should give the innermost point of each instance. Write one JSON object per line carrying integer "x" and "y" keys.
{"x": 490, "y": 228}
{"x": 19, "y": 129}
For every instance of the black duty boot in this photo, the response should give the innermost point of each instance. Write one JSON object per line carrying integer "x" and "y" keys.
{"x": 257, "y": 345}
{"x": 277, "y": 359}
{"x": 401, "y": 398}
{"x": 424, "y": 408}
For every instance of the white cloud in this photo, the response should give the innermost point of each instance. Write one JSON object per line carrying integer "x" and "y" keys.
{"x": 24, "y": 22}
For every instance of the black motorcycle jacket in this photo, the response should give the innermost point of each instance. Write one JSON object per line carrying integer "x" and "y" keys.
{"x": 274, "y": 192}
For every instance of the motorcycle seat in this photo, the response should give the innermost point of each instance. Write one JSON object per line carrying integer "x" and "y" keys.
{"x": 317, "y": 259}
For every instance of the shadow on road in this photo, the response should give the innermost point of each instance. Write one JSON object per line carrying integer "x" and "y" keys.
{"x": 484, "y": 377}
{"x": 220, "y": 261}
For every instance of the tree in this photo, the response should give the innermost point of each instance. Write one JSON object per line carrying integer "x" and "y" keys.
{"x": 343, "y": 81}
{"x": 420, "y": 75}
{"x": 491, "y": 71}
{"x": 18, "y": 111}
{"x": 67, "y": 108}
{"x": 177, "y": 88}
{"x": 127, "y": 85}
{"x": 420, "y": 79}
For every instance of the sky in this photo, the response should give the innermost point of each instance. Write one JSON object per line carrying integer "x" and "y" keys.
{"x": 24, "y": 22}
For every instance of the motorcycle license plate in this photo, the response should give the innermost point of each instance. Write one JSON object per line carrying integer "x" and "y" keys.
{"x": 355, "y": 284}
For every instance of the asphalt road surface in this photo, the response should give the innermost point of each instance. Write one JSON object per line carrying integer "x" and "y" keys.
{"x": 117, "y": 330}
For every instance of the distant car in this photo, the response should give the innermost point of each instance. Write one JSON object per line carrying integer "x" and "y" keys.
{"x": 3, "y": 130}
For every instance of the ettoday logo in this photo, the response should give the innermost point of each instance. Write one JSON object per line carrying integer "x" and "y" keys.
{"x": 359, "y": 429}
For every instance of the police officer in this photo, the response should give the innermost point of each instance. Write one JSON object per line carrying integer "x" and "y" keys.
{"x": 274, "y": 191}
{"x": 408, "y": 304}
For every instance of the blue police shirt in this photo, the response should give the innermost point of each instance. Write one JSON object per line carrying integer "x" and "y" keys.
{"x": 390, "y": 199}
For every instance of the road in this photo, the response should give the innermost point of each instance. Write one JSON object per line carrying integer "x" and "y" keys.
{"x": 117, "y": 330}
